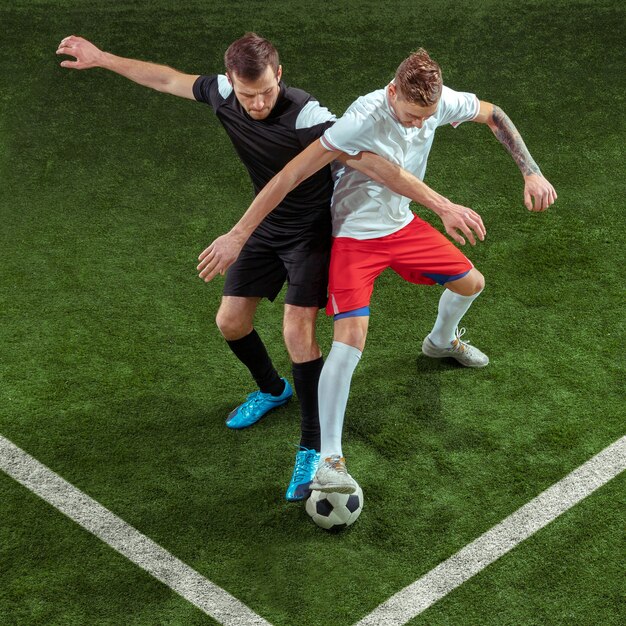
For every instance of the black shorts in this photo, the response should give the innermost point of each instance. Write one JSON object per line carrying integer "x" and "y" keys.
{"x": 268, "y": 259}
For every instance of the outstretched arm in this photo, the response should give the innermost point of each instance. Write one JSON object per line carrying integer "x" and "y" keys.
{"x": 535, "y": 185}
{"x": 159, "y": 77}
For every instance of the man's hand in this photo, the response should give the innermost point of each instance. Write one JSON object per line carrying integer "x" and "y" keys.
{"x": 219, "y": 256}
{"x": 538, "y": 188}
{"x": 87, "y": 55}
{"x": 461, "y": 218}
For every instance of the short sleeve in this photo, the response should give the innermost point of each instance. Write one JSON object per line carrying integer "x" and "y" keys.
{"x": 350, "y": 134}
{"x": 312, "y": 121}
{"x": 212, "y": 90}
{"x": 456, "y": 107}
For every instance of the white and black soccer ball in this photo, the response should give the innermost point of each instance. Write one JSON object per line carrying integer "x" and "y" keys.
{"x": 335, "y": 511}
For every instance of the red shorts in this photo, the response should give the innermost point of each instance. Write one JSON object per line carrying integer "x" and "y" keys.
{"x": 418, "y": 252}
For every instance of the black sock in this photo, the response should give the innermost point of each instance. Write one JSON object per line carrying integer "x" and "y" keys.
{"x": 306, "y": 377}
{"x": 251, "y": 351}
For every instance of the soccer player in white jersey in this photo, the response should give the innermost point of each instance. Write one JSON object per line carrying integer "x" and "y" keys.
{"x": 373, "y": 228}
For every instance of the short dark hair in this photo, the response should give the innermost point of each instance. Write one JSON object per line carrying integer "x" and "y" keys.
{"x": 249, "y": 56}
{"x": 419, "y": 79}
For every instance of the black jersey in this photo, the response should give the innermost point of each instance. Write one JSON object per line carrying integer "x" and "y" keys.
{"x": 266, "y": 146}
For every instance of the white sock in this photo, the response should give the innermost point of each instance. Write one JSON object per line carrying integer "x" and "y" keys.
{"x": 452, "y": 307}
{"x": 333, "y": 390}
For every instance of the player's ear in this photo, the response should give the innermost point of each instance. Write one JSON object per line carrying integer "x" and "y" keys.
{"x": 230, "y": 82}
{"x": 279, "y": 73}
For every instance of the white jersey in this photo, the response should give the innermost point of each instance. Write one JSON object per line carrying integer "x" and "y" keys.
{"x": 361, "y": 207}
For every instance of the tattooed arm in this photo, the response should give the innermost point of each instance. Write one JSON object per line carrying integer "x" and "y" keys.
{"x": 535, "y": 185}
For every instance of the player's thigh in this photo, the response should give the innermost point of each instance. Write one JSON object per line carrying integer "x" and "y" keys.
{"x": 354, "y": 266}
{"x": 306, "y": 257}
{"x": 258, "y": 271}
{"x": 422, "y": 255}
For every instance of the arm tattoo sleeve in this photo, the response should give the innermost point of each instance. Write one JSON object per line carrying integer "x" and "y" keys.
{"x": 510, "y": 138}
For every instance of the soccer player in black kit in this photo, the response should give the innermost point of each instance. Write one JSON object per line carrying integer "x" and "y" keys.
{"x": 269, "y": 124}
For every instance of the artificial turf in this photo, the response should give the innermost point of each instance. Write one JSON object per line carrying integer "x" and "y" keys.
{"x": 114, "y": 375}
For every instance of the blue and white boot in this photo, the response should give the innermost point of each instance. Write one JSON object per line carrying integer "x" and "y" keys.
{"x": 303, "y": 472}
{"x": 257, "y": 404}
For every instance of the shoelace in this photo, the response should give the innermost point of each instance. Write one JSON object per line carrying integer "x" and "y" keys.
{"x": 337, "y": 463}
{"x": 303, "y": 465}
{"x": 253, "y": 399}
{"x": 457, "y": 344}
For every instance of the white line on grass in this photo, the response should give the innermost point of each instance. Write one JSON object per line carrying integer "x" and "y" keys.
{"x": 447, "y": 576}
{"x": 399, "y": 609}
{"x": 128, "y": 541}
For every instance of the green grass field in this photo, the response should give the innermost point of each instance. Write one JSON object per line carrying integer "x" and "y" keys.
{"x": 113, "y": 373}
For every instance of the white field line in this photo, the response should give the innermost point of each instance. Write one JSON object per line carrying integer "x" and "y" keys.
{"x": 399, "y": 609}
{"x": 448, "y": 575}
{"x": 128, "y": 541}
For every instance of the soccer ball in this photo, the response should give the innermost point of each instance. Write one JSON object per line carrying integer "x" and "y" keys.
{"x": 335, "y": 511}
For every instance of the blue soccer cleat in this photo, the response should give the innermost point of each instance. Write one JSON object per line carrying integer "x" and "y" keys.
{"x": 303, "y": 472}
{"x": 257, "y": 404}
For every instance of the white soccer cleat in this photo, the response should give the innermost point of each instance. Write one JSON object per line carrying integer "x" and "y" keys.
{"x": 332, "y": 476}
{"x": 467, "y": 355}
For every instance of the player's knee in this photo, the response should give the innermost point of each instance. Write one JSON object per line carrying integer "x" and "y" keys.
{"x": 479, "y": 282}
{"x": 355, "y": 337}
{"x": 300, "y": 340}
{"x": 471, "y": 284}
{"x": 231, "y": 326}
{"x": 351, "y": 334}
